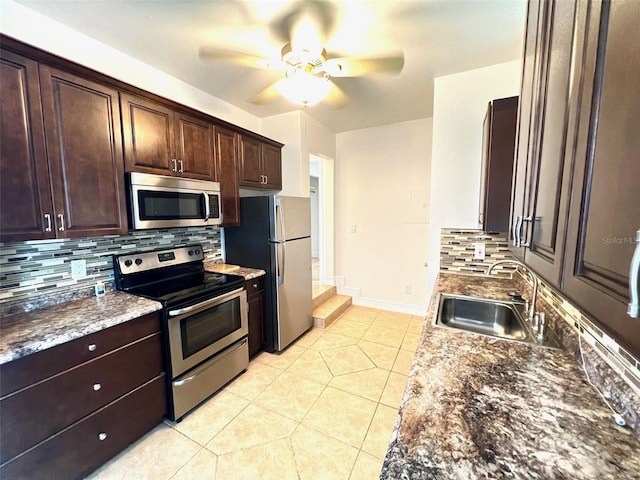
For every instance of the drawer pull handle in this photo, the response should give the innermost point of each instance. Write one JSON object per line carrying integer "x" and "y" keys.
{"x": 102, "y": 436}
{"x": 96, "y": 387}
{"x": 92, "y": 347}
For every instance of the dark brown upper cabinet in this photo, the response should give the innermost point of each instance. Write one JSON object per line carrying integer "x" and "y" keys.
{"x": 498, "y": 139}
{"x": 76, "y": 137}
{"x": 226, "y": 149}
{"x": 541, "y": 223}
{"x": 260, "y": 164}
{"x": 26, "y": 204}
{"x": 163, "y": 141}
{"x": 576, "y": 203}
{"x": 605, "y": 200}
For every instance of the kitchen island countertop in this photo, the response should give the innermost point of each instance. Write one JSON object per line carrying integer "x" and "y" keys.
{"x": 22, "y": 334}
{"x": 479, "y": 407}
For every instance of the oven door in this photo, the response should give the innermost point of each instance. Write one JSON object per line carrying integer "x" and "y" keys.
{"x": 197, "y": 332}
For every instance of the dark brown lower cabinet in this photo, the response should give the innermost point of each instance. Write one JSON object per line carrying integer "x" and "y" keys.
{"x": 255, "y": 299}
{"x": 66, "y": 410}
{"x": 87, "y": 444}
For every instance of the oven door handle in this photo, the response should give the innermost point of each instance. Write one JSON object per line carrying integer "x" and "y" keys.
{"x": 211, "y": 301}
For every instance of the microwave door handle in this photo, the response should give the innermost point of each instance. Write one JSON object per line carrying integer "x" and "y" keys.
{"x": 207, "y": 209}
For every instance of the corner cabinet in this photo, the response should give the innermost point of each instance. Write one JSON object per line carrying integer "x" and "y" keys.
{"x": 499, "y": 136}
{"x": 68, "y": 409}
{"x": 576, "y": 199}
{"x": 61, "y": 150}
{"x": 260, "y": 164}
{"x": 164, "y": 141}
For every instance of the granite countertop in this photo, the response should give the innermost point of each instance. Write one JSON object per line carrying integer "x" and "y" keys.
{"x": 246, "y": 272}
{"x": 478, "y": 407}
{"x": 22, "y": 334}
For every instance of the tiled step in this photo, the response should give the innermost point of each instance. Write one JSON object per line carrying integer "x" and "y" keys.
{"x": 330, "y": 310}
{"x": 322, "y": 293}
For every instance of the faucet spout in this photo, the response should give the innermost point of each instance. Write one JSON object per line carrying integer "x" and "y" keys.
{"x": 534, "y": 280}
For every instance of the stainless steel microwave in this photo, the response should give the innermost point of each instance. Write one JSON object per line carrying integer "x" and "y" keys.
{"x": 157, "y": 201}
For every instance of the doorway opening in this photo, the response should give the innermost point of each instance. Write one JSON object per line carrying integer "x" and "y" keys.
{"x": 321, "y": 171}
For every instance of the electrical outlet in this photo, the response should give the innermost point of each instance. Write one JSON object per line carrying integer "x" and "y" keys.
{"x": 407, "y": 289}
{"x": 354, "y": 228}
{"x": 478, "y": 253}
{"x": 78, "y": 268}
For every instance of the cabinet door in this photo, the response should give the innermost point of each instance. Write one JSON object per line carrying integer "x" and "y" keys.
{"x": 250, "y": 165}
{"x": 226, "y": 149}
{"x": 605, "y": 203}
{"x": 527, "y": 111}
{"x": 148, "y": 131}
{"x": 256, "y": 323}
{"x": 499, "y": 135}
{"x": 551, "y": 174}
{"x": 25, "y": 192}
{"x": 194, "y": 147}
{"x": 82, "y": 126}
{"x": 272, "y": 166}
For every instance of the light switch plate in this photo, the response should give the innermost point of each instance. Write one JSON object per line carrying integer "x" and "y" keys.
{"x": 479, "y": 251}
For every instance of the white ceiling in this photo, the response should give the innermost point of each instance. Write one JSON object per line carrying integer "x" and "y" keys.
{"x": 438, "y": 37}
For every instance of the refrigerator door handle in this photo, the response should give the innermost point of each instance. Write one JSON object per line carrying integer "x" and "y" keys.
{"x": 279, "y": 271}
{"x": 280, "y": 213}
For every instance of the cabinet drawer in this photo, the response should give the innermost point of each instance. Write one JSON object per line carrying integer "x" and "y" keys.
{"x": 89, "y": 443}
{"x": 34, "y": 368}
{"x": 35, "y": 413}
{"x": 255, "y": 285}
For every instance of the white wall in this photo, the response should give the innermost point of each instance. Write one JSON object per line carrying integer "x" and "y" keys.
{"x": 382, "y": 192}
{"x": 32, "y": 28}
{"x": 460, "y": 104}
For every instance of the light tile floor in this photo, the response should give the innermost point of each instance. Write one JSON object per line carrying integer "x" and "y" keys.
{"x": 322, "y": 410}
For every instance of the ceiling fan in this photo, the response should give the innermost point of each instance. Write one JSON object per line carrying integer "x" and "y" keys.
{"x": 307, "y": 68}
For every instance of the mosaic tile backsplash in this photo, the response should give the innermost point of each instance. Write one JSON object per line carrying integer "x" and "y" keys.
{"x": 611, "y": 368}
{"x": 36, "y": 274}
{"x": 457, "y": 248}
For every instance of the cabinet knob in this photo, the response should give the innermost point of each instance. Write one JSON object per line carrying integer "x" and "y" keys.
{"x": 102, "y": 436}
{"x": 255, "y": 285}
{"x": 92, "y": 347}
{"x": 96, "y": 387}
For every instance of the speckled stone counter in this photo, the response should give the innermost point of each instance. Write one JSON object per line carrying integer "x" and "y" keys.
{"x": 22, "y": 334}
{"x": 478, "y": 407}
{"x": 246, "y": 272}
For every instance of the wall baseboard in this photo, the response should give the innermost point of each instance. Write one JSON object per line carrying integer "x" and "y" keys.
{"x": 358, "y": 299}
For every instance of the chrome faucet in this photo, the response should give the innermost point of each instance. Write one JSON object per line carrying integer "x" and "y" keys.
{"x": 532, "y": 307}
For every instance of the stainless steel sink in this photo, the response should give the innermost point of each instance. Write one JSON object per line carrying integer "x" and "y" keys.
{"x": 483, "y": 316}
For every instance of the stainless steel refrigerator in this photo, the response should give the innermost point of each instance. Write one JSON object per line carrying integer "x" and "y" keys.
{"x": 275, "y": 235}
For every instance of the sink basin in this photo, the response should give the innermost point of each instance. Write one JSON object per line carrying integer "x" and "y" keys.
{"x": 483, "y": 316}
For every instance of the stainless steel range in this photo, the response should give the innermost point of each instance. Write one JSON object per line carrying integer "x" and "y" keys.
{"x": 205, "y": 320}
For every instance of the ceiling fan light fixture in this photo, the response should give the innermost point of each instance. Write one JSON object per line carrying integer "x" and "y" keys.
{"x": 304, "y": 88}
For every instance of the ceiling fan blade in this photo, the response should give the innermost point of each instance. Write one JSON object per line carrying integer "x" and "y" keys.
{"x": 240, "y": 58}
{"x": 359, "y": 66}
{"x": 268, "y": 94}
{"x": 307, "y": 25}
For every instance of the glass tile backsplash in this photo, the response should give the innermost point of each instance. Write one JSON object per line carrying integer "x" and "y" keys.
{"x": 35, "y": 274}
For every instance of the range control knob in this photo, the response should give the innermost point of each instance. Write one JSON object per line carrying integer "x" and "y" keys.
{"x": 190, "y": 252}
{"x": 197, "y": 252}
{"x": 128, "y": 263}
{"x": 138, "y": 261}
